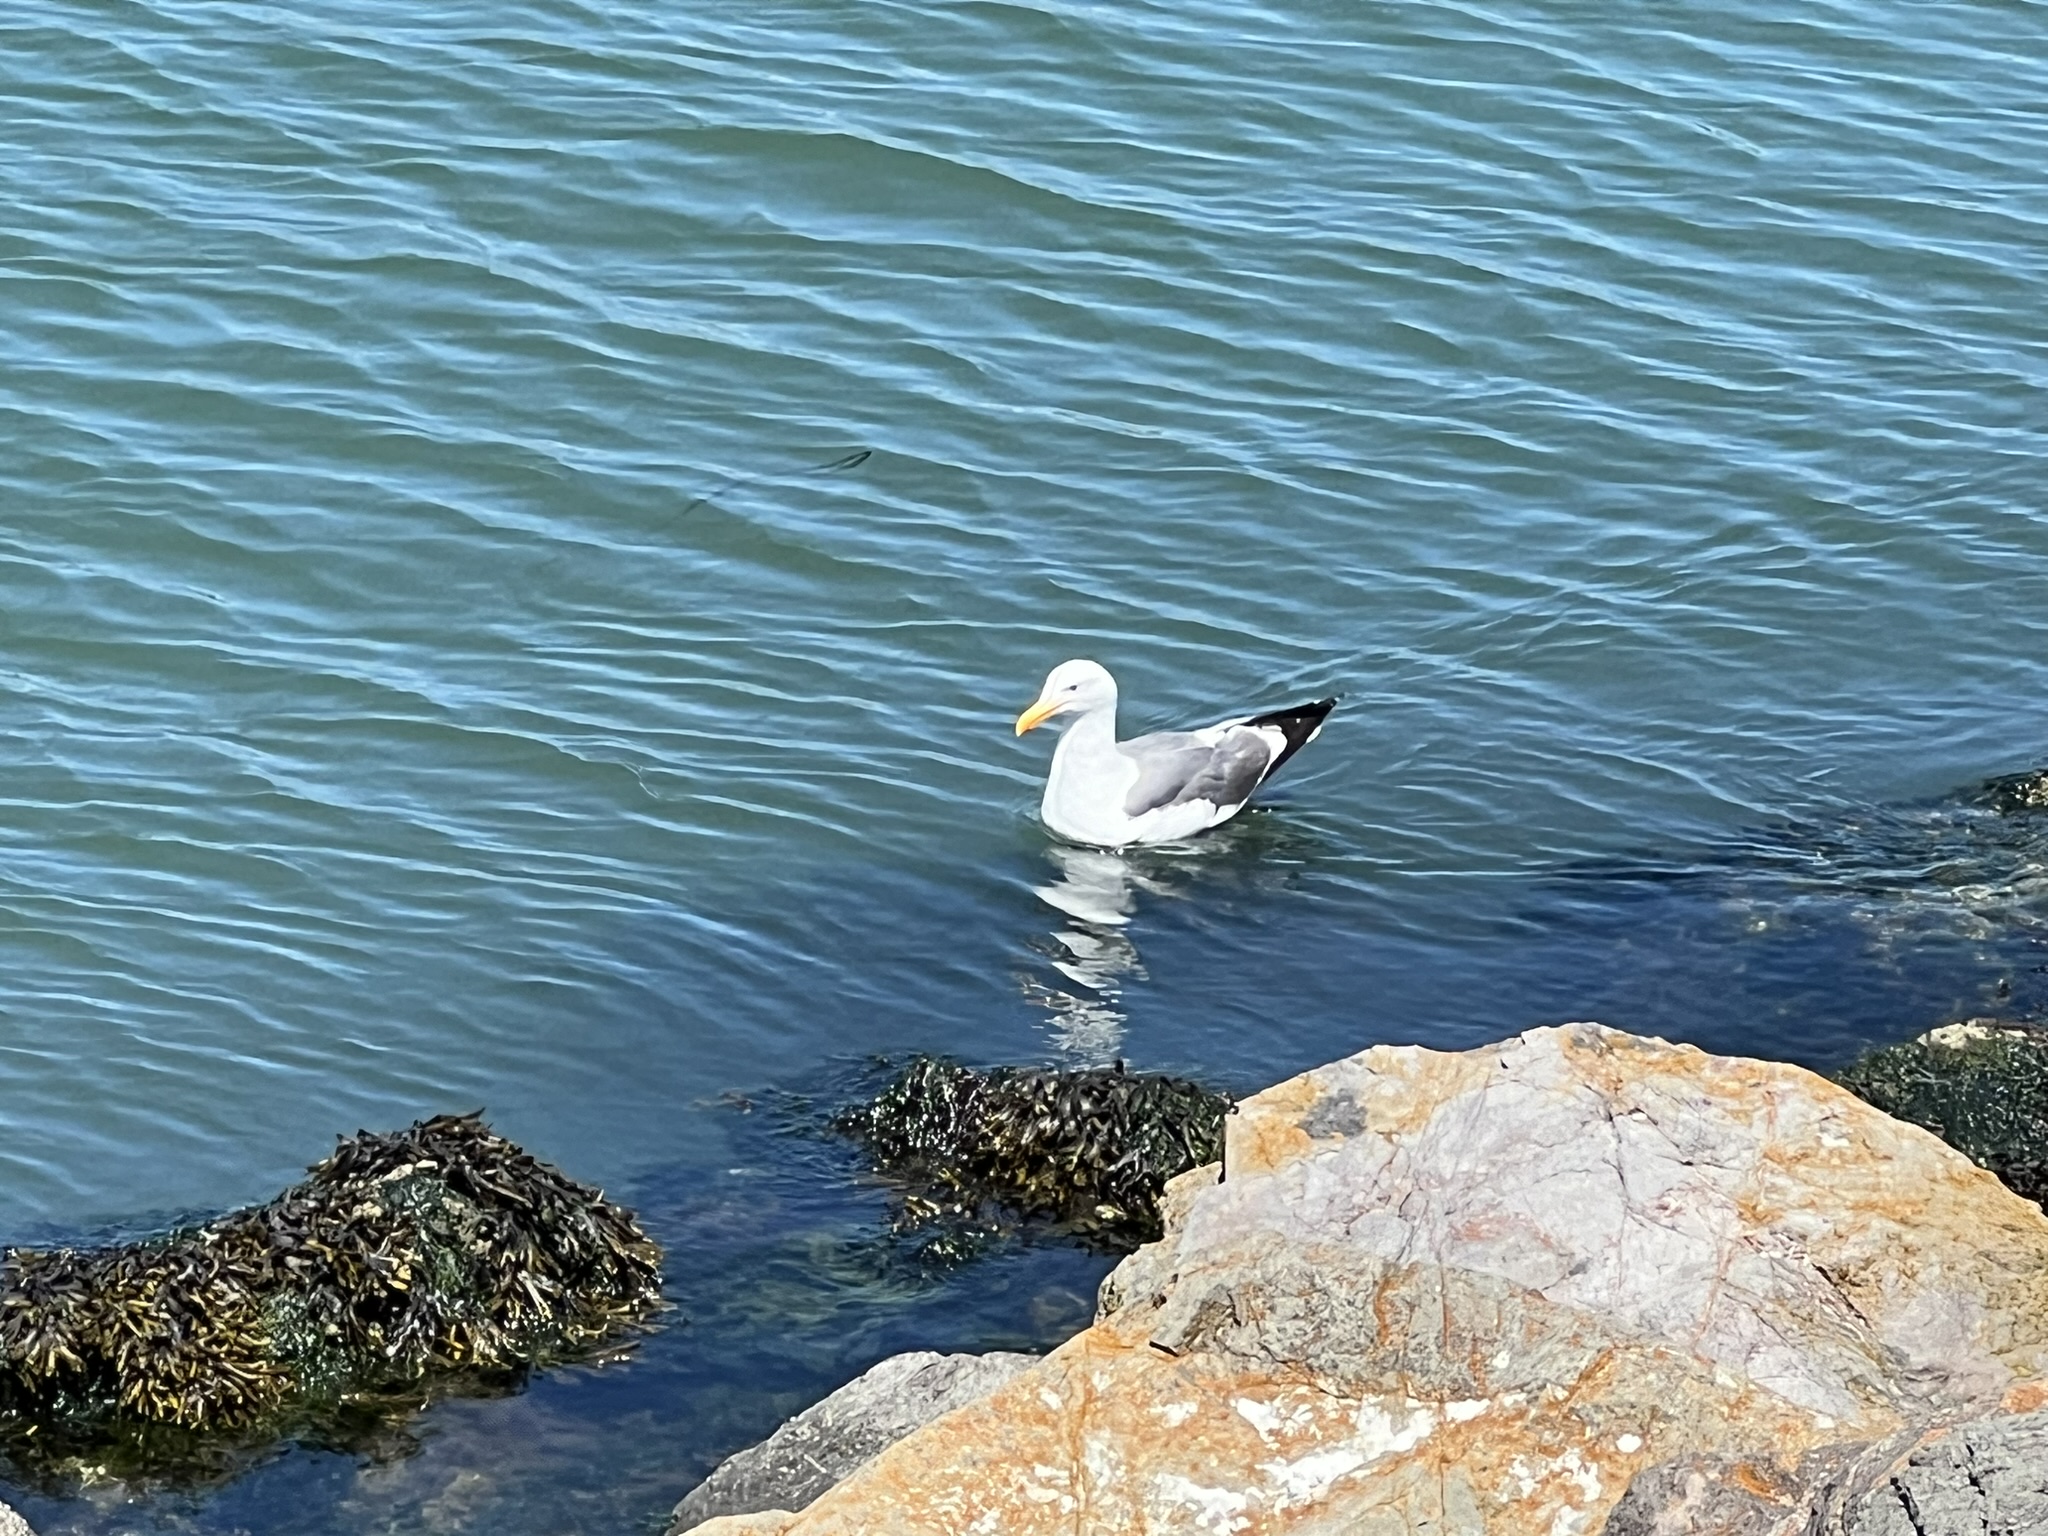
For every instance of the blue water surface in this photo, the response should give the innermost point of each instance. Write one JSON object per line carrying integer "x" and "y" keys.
{"x": 439, "y": 672}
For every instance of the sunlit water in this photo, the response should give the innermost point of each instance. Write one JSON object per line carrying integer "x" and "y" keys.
{"x": 1638, "y": 418}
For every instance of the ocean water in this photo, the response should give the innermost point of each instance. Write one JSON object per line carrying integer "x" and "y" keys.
{"x": 456, "y": 654}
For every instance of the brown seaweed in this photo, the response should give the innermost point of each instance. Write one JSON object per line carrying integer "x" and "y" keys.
{"x": 2017, "y": 793}
{"x": 443, "y": 1249}
{"x": 1981, "y": 1086}
{"x": 1087, "y": 1151}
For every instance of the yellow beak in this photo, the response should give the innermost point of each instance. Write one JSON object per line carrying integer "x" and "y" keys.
{"x": 1037, "y": 715}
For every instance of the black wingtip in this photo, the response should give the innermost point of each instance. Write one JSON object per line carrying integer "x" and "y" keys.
{"x": 1298, "y": 725}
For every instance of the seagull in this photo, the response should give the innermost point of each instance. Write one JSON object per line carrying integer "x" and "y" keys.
{"x": 1157, "y": 788}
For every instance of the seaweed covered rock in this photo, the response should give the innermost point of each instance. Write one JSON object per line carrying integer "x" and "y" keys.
{"x": 2017, "y": 792}
{"x": 1088, "y": 1150}
{"x": 442, "y": 1247}
{"x": 1981, "y": 1086}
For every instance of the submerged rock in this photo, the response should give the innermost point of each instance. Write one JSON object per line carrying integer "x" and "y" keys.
{"x": 835, "y": 1437}
{"x": 443, "y": 1248}
{"x": 1089, "y": 1151}
{"x": 1907, "y": 889}
{"x": 1980, "y": 1085}
{"x": 1484, "y": 1291}
{"x": 2016, "y": 792}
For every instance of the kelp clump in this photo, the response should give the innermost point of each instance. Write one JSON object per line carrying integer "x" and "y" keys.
{"x": 440, "y": 1248}
{"x": 1088, "y": 1151}
{"x": 1981, "y": 1086}
{"x": 2017, "y": 792}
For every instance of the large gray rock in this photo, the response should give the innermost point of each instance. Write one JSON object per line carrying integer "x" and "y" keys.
{"x": 1987, "y": 1477}
{"x": 831, "y": 1438}
{"x": 11, "y": 1523}
{"x": 1990, "y": 1476}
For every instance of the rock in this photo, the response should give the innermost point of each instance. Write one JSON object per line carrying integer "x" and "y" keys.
{"x": 767, "y": 1522}
{"x": 11, "y": 1523}
{"x": 1981, "y": 1085}
{"x": 1483, "y": 1291}
{"x": 1985, "y": 1476}
{"x": 1991, "y": 1475}
{"x": 831, "y": 1438}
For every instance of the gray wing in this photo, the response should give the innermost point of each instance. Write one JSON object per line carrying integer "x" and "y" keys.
{"x": 1175, "y": 767}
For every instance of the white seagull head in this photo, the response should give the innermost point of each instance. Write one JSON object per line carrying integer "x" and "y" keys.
{"x": 1071, "y": 688}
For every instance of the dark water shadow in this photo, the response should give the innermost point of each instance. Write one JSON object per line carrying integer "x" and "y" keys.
{"x": 1813, "y": 937}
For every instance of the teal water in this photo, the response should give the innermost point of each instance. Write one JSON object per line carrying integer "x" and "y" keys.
{"x": 1638, "y": 418}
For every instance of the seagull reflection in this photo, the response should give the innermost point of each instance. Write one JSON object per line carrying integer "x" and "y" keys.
{"x": 1096, "y": 893}
{"x": 1090, "y": 956}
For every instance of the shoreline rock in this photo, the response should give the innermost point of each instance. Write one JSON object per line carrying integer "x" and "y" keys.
{"x": 833, "y": 1438}
{"x": 1517, "y": 1290}
{"x": 1988, "y": 1475}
